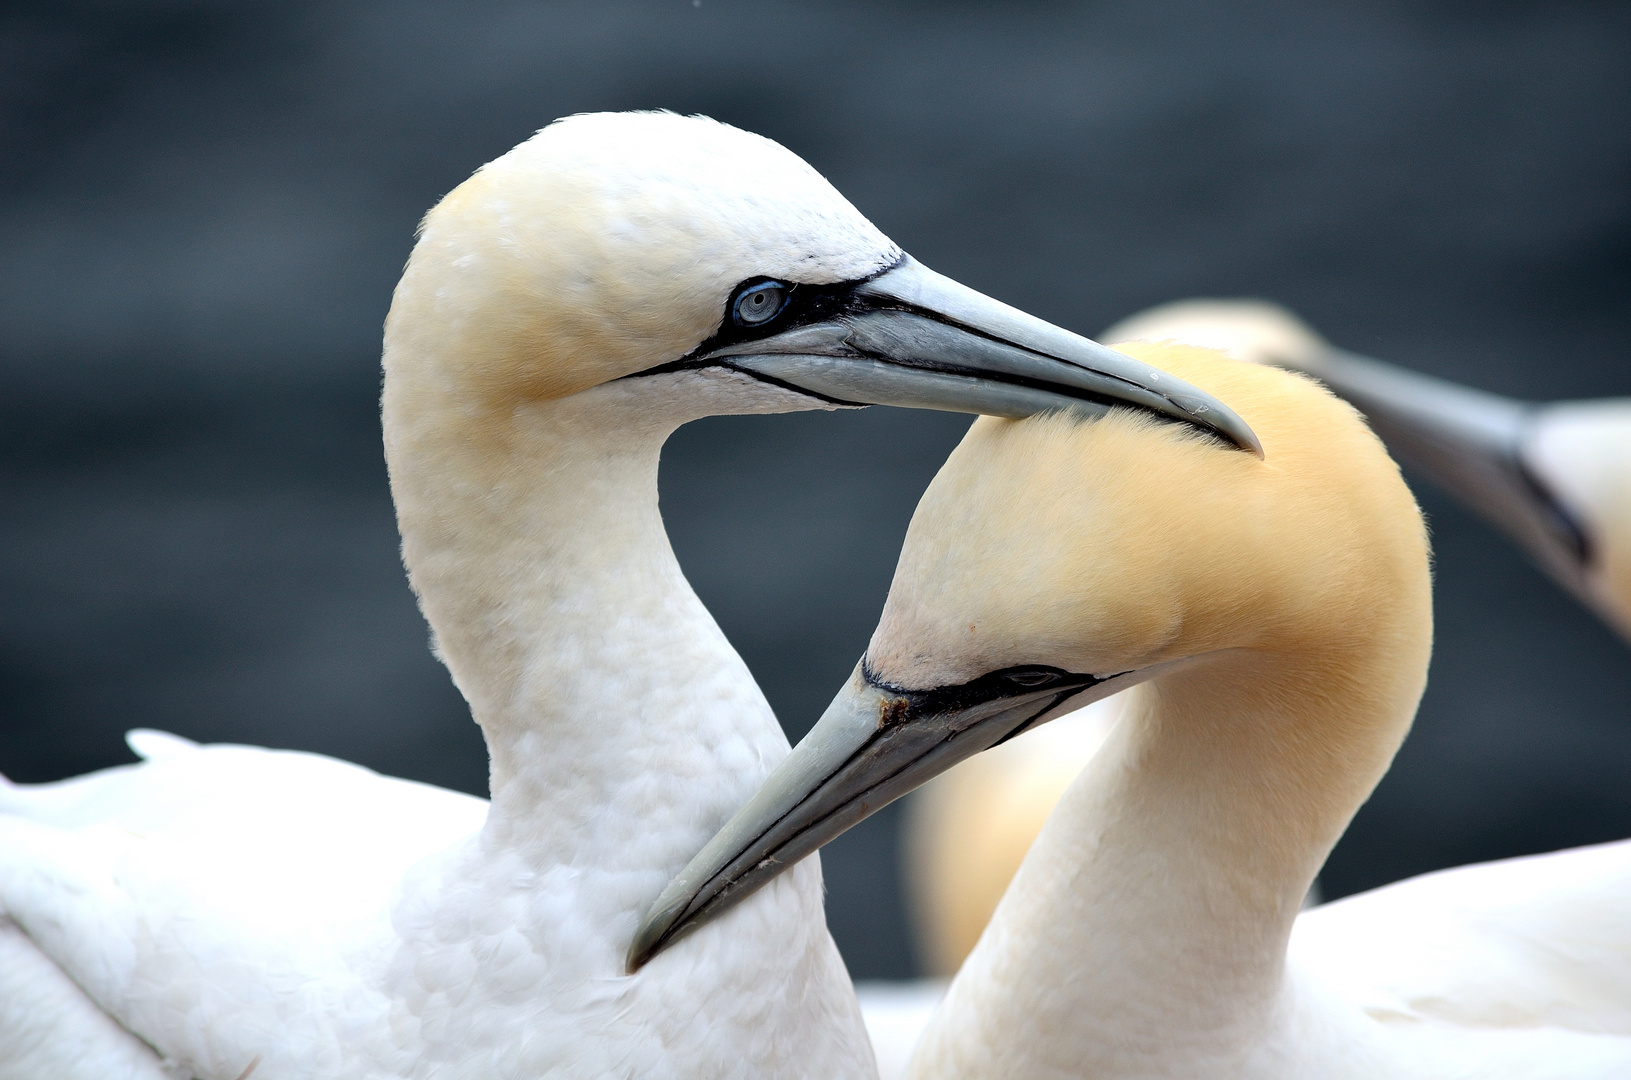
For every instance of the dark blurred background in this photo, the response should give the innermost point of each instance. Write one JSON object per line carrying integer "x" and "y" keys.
{"x": 204, "y": 206}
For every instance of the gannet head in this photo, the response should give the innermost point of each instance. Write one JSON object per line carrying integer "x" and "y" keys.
{"x": 1055, "y": 561}
{"x": 627, "y": 245}
{"x": 1120, "y": 546}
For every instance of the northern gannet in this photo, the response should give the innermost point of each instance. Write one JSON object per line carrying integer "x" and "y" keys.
{"x": 1555, "y": 477}
{"x": 1274, "y": 620}
{"x": 225, "y": 912}
{"x": 1560, "y": 477}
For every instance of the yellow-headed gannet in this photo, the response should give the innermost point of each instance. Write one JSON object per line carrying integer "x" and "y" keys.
{"x": 1274, "y": 620}
{"x": 1554, "y": 477}
{"x": 1557, "y": 478}
{"x": 227, "y": 912}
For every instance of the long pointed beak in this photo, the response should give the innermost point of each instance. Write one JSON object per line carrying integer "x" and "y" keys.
{"x": 915, "y": 338}
{"x": 874, "y": 744}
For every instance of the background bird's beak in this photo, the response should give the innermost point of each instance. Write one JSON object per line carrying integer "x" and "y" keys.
{"x": 914, "y": 338}
{"x": 1471, "y": 444}
{"x": 874, "y": 744}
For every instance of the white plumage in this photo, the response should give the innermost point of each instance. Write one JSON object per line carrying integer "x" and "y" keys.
{"x": 967, "y": 831}
{"x": 1270, "y": 625}
{"x": 226, "y": 898}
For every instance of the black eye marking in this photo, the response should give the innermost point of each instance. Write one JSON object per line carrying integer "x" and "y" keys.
{"x": 1046, "y": 688}
{"x": 756, "y": 303}
{"x": 763, "y": 307}
{"x": 999, "y": 685}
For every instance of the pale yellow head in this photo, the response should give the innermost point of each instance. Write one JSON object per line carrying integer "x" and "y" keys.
{"x": 1121, "y": 544}
{"x": 609, "y": 243}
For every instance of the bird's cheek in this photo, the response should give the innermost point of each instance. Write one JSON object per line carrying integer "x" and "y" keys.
{"x": 1125, "y": 637}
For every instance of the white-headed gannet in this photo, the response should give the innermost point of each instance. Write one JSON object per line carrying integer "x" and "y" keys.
{"x": 227, "y": 912}
{"x": 1274, "y": 619}
{"x": 1554, "y": 477}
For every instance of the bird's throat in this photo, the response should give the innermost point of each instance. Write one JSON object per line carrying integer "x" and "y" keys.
{"x": 1162, "y": 891}
{"x": 599, "y": 680}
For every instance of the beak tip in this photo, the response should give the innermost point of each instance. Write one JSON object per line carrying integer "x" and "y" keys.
{"x": 1231, "y": 427}
{"x": 1254, "y": 444}
{"x": 648, "y": 942}
{"x": 664, "y": 924}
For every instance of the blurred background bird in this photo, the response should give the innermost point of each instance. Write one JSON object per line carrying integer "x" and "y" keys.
{"x": 203, "y": 208}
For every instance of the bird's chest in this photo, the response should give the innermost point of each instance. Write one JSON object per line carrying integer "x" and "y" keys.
{"x": 505, "y": 968}
{"x": 502, "y": 967}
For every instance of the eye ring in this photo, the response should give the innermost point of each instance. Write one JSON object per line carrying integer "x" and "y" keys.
{"x": 758, "y": 303}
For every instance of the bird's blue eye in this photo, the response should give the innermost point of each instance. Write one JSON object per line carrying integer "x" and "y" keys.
{"x": 758, "y": 304}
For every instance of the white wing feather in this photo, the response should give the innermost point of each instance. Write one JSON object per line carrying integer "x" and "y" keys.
{"x": 49, "y": 1028}
{"x": 246, "y": 886}
{"x": 1536, "y": 942}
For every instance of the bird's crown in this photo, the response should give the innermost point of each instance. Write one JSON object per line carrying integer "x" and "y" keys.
{"x": 1114, "y": 545}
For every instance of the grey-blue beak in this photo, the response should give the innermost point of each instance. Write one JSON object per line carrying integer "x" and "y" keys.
{"x": 914, "y": 338}
{"x": 874, "y": 744}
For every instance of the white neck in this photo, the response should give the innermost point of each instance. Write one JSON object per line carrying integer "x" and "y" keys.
{"x": 624, "y": 730}
{"x": 1145, "y": 933}
{"x": 533, "y": 538}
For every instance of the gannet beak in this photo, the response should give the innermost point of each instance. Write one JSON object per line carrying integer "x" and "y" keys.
{"x": 914, "y": 338}
{"x": 1472, "y": 444}
{"x": 874, "y": 744}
